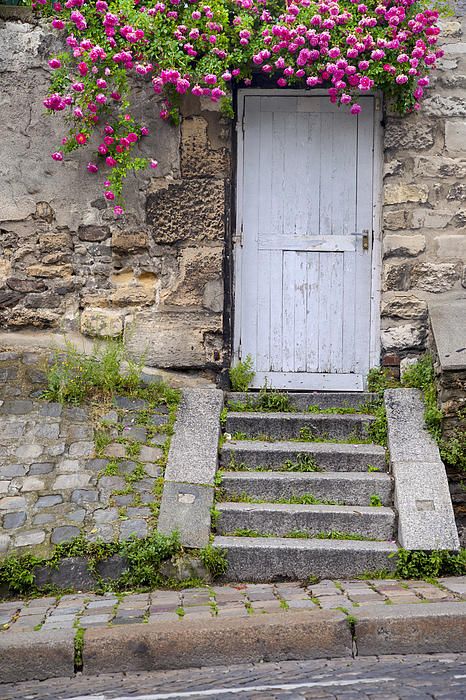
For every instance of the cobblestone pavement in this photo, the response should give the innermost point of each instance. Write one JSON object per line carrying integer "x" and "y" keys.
{"x": 436, "y": 677}
{"x": 65, "y": 472}
{"x": 241, "y": 600}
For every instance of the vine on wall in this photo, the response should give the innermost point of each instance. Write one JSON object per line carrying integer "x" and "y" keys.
{"x": 348, "y": 47}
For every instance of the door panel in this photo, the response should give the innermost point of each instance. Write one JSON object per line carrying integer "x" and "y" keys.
{"x": 303, "y": 289}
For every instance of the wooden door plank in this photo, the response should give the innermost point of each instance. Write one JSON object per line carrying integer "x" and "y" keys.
{"x": 311, "y": 381}
{"x": 288, "y": 310}
{"x": 312, "y": 312}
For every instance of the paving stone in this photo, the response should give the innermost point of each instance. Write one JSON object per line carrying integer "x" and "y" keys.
{"x": 78, "y": 433}
{"x": 14, "y": 520}
{"x": 49, "y": 501}
{"x": 4, "y": 485}
{"x": 41, "y": 468}
{"x": 48, "y": 431}
{"x": 64, "y": 534}
{"x": 71, "y": 481}
{"x": 18, "y": 407}
{"x": 75, "y": 414}
{"x": 102, "y": 532}
{"x": 135, "y": 433}
{"x": 43, "y": 519}
{"x": 133, "y": 527}
{"x": 301, "y": 604}
{"x": 77, "y": 515}
{"x": 129, "y": 404}
{"x": 123, "y": 499}
{"x": 110, "y": 417}
{"x": 56, "y": 449}
{"x": 69, "y": 466}
{"x": 104, "y": 603}
{"x": 146, "y": 484}
{"x": 96, "y": 465}
{"x": 157, "y": 419}
{"x": 4, "y": 543}
{"x": 116, "y": 449}
{"x": 88, "y": 620}
{"x": 153, "y": 470}
{"x": 158, "y": 439}
{"x": 138, "y": 512}
{"x": 127, "y": 466}
{"x": 11, "y": 503}
{"x": 30, "y": 538}
{"x": 147, "y": 497}
{"x": 9, "y": 471}
{"x": 164, "y": 617}
{"x": 32, "y": 483}
{"x": 105, "y": 515}
{"x": 85, "y": 496}
{"x": 150, "y": 454}
{"x": 29, "y": 453}
{"x": 52, "y": 410}
{"x": 81, "y": 449}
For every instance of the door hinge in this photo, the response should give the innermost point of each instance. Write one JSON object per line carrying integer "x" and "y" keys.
{"x": 239, "y": 237}
{"x": 239, "y": 351}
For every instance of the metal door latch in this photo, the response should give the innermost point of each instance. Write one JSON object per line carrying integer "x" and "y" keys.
{"x": 364, "y": 234}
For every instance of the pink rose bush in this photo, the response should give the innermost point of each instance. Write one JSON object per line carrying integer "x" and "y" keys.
{"x": 188, "y": 46}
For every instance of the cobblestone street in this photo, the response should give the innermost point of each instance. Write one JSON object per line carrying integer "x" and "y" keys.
{"x": 416, "y": 677}
{"x": 89, "y": 610}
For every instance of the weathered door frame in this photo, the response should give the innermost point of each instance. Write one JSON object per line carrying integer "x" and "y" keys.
{"x": 376, "y": 272}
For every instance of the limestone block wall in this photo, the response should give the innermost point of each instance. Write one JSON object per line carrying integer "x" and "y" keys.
{"x": 67, "y": 265}
{"x": 158, "y": 276}
{"x": 424, "y": 214}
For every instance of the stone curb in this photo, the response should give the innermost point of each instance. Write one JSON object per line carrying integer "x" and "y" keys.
{"x": 188, "y": 493}
{"x": 426, "y": 519}
{"x": 292, "y": 635}
{"x": 28, "y": 656}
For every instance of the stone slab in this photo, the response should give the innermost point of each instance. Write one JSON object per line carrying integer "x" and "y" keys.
{"x": 206, "y": 642}
{"x": 448, "y": 319}
{"x": 283, "y": 426}
{"x": 328, "y": 456}
{"x": 355, "y": 488}
{"x": 193, "y": 450}
{"x": 411, "y": 629}
{"x": 265, "y": 559}
{"x": 301, "y": 401}
{"x": 426, "y": 519}
{"x": 186, "y": 509}
{"x": 26, "y": 656}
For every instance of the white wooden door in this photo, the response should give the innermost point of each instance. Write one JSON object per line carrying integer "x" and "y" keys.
{"x": 304, "y": 245}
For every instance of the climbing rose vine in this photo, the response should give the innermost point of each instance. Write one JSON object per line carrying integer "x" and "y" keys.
{"x": 347, "y": 47}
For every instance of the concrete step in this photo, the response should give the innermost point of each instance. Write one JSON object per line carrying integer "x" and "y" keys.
{"x": 354, "y": 488}
{"x": 262, "y": 559}
{"x": 280, "y": 519}
{"x": 252, "y": 454}
{"x": 283, "y": 426}
{"x": 300, "y": 401}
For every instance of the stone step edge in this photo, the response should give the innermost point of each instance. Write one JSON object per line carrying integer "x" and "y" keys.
{"x": 291, "y": 635}
{"x": 322, "y": 417}
{"x": 371, "y": 511}
{"x": 303, "y": 446}
{"x": 259, "y": 475}
{"x": 301, "y": 400}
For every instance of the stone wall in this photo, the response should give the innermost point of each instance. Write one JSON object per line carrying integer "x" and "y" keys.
{"x": 158, "y": 276}
{"x": 67, "y": 265}
{"x": 424, "y": 214}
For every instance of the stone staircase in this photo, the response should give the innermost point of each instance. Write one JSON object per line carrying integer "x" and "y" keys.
{"x": 291, "y": 507}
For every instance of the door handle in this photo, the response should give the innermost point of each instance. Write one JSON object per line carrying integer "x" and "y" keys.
{"x": 364, "y": 234}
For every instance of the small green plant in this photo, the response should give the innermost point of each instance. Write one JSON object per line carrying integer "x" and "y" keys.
{"x": 378, "y": 429}
{"x": 214, "y": 560}
{"x": 304, "y": 462}
{"x": 271, "y": 400}
{"x": 242, "y": 374}
{"x": 78, "y": 648}
{"x": 371, "y": 468}
{"x": 421, "y": 375}
{"x": 223, "y": 416}
{"x": 375, "y": 501}
{"x": 380, "y": 379}
{"x": 413, "y": 564}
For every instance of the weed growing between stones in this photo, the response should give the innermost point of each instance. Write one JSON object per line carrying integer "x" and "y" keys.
{"x": 305, "y": 499}
{"x": 242, "y": 374}
{"x": 375, "y": 501}
{"x": 424, "y": 565}
{"x": 421, "y": 375}
{"x": 299, "y": 535}
{"x": 143, "y": 560}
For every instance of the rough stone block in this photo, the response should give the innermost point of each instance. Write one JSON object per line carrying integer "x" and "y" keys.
{"x": 405, "y": 306}
{"x": 172, "y": 338}
{"x": 198, "y": 157}
{"x": 130, "y": 528}
{"x": 12, "y": 521}
{"x": 403, "y": 192}
{"x": 435, "y": 277}
{"x": 72, "y": 572}
{"x": 102, "y": 323}
{"x": 448, "y": 324}
{"x": 28, "y": 539}
{"x": 455, "y": 135}
{"x": 71, "y": 481}
{"x": 64, "y": 534}
{"x": 128, "y": 241}
{"x": 48, "y": 501}
{"x": 403, "y": 245}
{"x": 192, "y": 210}
{"x": 409, "y": 133}
{"x": 445, "y": 106}
{"x": 451, "y": 246}
{"x": 404, "y": 337}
